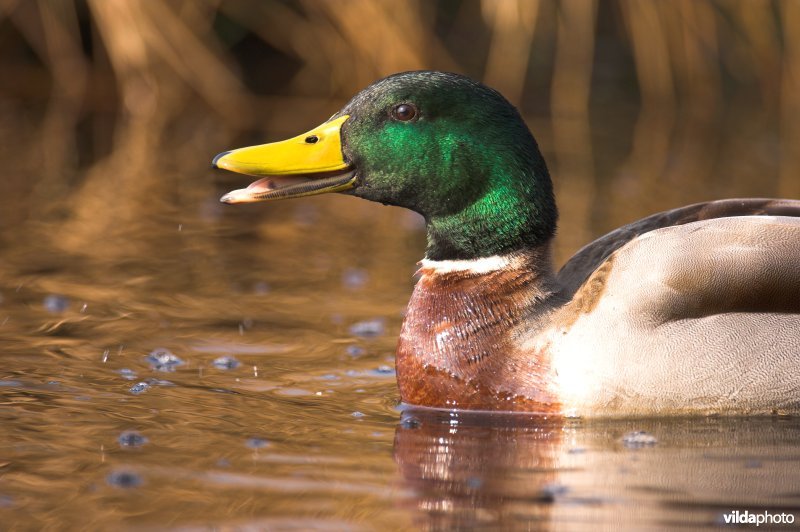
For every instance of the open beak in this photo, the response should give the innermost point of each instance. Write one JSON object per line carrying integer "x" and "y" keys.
{"x": 306, "y": 165}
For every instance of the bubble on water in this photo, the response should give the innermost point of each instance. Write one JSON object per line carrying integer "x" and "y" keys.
{"x": 124, "y": 479}
{"x": 354, "y": 278}
{"x": 256, "y": 443}
{"x": 639, "y": 438}
{"x": 225, "y": 362}
{"x": 131, "y": 439}
{"x": 162, "y": 359}
{"x": 56, "y": 303}
{"x": 139, "y": 387}
{"x": 358, "y": 414}
{"x": 368, "y": 328}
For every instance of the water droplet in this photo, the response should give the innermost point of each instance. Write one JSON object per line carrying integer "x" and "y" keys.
{"x": 139, "y": 387}
{"x": 225, "y": 362}
{"x": 256, "y": 443}
{"x": 162, "y": 359}
{"x": 368, "y": 328}
{"x": 354, "y": 350}
{"x": 127, "y": 373}
{"x": 131, "y": 438}
{"x": 261, "y": 288}
{"x": 56, "y": 303}
{"x": 124, "y": 479}
{"x": 354, "y": 278}
{"x": 639, "y": 438}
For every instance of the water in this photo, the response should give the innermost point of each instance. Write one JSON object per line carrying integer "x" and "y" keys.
{"x": 283, "y": 411}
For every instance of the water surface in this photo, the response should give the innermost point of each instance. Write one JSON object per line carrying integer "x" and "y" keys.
{"x": 170, "y": 363}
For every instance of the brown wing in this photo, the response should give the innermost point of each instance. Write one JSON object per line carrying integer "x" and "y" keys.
{"x": 588, "y": 258}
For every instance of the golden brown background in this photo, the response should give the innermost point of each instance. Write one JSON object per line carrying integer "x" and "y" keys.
{"x": 114, "y": 107}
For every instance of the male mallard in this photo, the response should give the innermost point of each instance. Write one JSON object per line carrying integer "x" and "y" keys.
{"x": 694, "y": 310}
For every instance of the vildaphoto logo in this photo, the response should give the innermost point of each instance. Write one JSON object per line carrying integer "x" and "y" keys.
{"x": 738, "y": 517}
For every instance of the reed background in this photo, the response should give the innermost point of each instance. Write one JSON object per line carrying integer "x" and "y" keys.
{"x": 110, "y": 110}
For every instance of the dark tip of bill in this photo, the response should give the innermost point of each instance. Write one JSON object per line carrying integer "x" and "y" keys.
{"x": 218, "y": 157}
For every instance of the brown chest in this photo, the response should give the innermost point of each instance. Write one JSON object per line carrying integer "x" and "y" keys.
{"x": 460, "y": 343}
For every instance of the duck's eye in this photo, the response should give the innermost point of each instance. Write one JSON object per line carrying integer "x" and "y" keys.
{"x": 404, "y": 112}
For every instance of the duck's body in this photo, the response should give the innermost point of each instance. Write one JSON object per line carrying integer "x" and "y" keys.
{"x": 695, "y": 318}
{"x": 696, "y": 310}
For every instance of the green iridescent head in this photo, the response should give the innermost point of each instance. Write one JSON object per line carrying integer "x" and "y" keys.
{"x": 437, "y": 143}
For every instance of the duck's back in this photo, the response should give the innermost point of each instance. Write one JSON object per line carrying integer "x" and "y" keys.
{"x": 702, "y": 317}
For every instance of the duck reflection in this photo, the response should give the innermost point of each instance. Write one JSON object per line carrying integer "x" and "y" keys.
{"x": 469, "y": 469}
{"x": 513, "y": 471}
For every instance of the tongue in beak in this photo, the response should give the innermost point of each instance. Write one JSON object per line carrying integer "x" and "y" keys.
{"x": 306, "y": 165}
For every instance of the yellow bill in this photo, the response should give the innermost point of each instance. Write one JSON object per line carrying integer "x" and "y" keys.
{"x": 308, "y": 164}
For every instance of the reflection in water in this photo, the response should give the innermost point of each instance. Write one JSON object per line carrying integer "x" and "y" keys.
{"x": 516, "y": 471}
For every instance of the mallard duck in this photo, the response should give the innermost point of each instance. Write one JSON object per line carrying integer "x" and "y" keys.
{"x": 690, "y": 311}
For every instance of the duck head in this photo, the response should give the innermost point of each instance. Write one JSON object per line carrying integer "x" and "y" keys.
{"x": 437, "y": 143}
